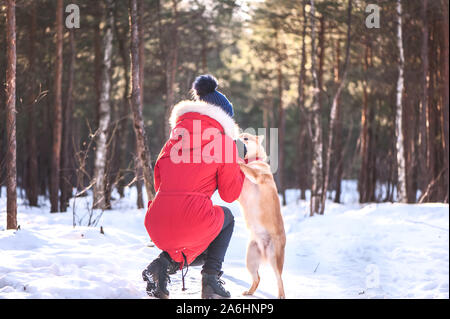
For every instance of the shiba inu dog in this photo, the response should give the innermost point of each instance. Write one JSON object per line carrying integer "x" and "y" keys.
{"x": 260, "y": 204}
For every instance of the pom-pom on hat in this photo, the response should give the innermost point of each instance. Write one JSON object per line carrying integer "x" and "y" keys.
{"x": 205, "y": 89}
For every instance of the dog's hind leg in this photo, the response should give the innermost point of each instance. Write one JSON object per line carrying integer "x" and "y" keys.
{"x": 253, "y": 261}
{"x": 276, "y": 259}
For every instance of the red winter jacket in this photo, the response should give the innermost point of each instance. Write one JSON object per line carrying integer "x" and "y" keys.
{"x": 199, "y": 158}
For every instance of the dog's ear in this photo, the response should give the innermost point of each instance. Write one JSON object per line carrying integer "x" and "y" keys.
{"x": 260, "y": 138}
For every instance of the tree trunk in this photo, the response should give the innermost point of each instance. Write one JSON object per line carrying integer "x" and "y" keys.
{"x": 366, "y": 182}
{"x": 409, "y": 144}
{"x": 393, "y": 171}
{"x": 139, "y": 177}
{"x": 104, "y": 111}
{"x": 171, "y": 69}
{"x": 11, "y": 171}
{"x": 321, "y": 53}
{"x": 364, "y": 136}
{"x": 140, "y": 5}
{"x": 33, "y": 183}
{"x": 338, "y": 129}
{"x": 401, "y": 162}
{"x": 431, "y": 115}
{"x": 424, "y": 173}
{"x": 112, "y": 162}
{"x": 338, "y": 172}
{"x": 204, "y": 49}
{"x": 66, "y": 173}
{"x": 281, "y": 122}
{"x": 45, "y": 147}
{"x": 445, "y": 106}
{"x": 335, "y": 109}
{"x": 138, "y": 167}
{"x": 303, "y": 121}
{"x": 141, "y": 140}
{"x": 267, "y": 108}
{"x": 125, "y": 110}
{"x": 97, "y": 58}
{"x": 372, "y": 179}
{"x": 317, "y": 160}
{"x": 57, "y": 119}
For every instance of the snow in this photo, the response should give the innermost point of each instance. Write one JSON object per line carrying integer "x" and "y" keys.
{"x": 386, "y": 250}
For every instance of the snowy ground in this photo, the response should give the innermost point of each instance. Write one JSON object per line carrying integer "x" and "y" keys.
{"x": 353, "y": 251}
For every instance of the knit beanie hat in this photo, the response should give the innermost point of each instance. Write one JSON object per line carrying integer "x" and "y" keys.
{"x": 205, "y": 89}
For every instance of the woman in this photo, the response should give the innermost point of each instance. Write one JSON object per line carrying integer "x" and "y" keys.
{"x": 199, "y": 158}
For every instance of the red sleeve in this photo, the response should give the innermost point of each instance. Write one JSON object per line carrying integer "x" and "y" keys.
{"x": 230, "y": 178}
{"x": 230, "y": 181}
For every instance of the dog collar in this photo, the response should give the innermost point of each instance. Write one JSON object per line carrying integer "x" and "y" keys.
{"x": 252, "y": 160}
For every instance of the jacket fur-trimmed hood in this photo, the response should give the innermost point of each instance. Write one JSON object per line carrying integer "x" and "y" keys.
{"x": 215, "y": 112}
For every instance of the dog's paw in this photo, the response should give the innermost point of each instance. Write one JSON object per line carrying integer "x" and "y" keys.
{"x": 247, "y": 293}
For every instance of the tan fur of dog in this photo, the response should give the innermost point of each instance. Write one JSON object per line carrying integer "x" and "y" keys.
{"x": 260, "y": 204}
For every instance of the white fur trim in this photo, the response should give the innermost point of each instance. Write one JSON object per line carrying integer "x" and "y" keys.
{"x": 215, "y": 112}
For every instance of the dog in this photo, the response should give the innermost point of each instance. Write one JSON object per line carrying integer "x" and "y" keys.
{"x": 260, "y": 205}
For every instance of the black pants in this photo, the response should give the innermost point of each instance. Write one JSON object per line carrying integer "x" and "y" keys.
{"x": 212, "y": 258}
{"x": 215, "y": 253}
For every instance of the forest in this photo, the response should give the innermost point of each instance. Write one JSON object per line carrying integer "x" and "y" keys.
{"x": 358, "y": 90}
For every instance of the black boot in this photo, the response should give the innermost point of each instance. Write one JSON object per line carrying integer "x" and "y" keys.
{"x": 156, "y": 275}
{"x": 212, "y": 286}
{"x": 173, "y": 267}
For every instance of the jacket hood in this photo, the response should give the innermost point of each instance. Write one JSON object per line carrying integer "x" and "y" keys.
{"x": 228, "y": 124}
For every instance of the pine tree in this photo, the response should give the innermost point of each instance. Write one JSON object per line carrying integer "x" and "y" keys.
{"x": 136, "y": 104}
{"x": 32, "y": 164}
{"x": 334, "y": 110}
{"x": 57, "y": 111}
{"x": 317, "y": 157}
{"x": 104, "y": 111}
{"x": 11, "y": 173}
{"x": 401, "y": 165}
